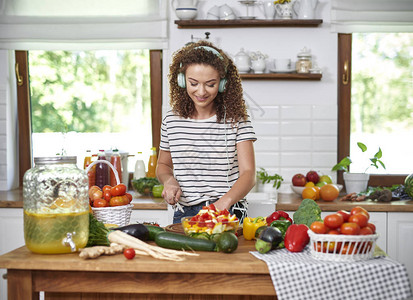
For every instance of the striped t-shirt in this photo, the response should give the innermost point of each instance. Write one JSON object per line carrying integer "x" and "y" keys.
{"x": 204, "y": 155}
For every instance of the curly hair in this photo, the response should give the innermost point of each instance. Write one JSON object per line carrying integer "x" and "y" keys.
{"x": 230, "y": 100}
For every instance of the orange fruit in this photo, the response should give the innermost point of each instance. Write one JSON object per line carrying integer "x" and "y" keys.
{"x": 309, "y": 184}
{"x": 317, "y": 189}
{"x": 309, "y": 193}
{"x": 329, "y": 192}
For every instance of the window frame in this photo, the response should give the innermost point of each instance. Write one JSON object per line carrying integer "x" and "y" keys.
{"x": 24, "y": 116}
{"x": 344, "y": 113}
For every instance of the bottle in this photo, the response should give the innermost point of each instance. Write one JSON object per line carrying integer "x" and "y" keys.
{"x": 152, "y": 164}
{"x": 139, "y": 167}
{"x": 115, "y": 160}
{"x": 304, "y": 61}
{"x": 88, "y": 159}
{"x": 102, "y": 171}
{"x": 91, "y": 174}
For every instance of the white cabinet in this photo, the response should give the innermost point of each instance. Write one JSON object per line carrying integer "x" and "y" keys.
{"x": 400, "y": 239}
{"x": 162, "y": 217}
{"x": 11, "y": 237}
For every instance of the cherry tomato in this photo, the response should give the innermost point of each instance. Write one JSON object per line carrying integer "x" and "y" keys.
{"x": 372, "y": 226}
{"x": 333, "y": 231}
{"x": 107, "y": 195}
{"x": 366, "y": 231}
{"x": 129, "y": 197}
{"x": 106, "y": 188}
{"x": 119, "y": 201}
{"x": 118, "y": 190}
{"x": 347, "y": 248}
{"x": 320, "y": 247}
{"x": 361, "y": 219}
{"x": 358, "y": 210}
{"x": 129, "y": 253}
{"x": 100, "y": 203}
{"x": 350, "y": 228}
{"x": 331, "y": 245}
{"x": 345, "y": 215}
{"x": 318, "y": 227}
{"x": 333, "y": 221}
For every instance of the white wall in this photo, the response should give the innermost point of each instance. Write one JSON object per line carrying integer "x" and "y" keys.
{"x": 295, "y": 121}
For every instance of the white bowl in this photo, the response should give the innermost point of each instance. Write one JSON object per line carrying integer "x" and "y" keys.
{"x": 299, "y": 189}
{"x": 186, "y": 13}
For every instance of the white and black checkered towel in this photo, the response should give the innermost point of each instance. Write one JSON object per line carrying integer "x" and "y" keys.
{"x": 299, "y": 276}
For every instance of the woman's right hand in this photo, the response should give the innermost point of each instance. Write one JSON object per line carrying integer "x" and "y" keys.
{"x": 171, "y": 191}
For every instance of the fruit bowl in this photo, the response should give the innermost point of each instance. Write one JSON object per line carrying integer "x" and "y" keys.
{"x": 299, "y": 189}
{"x": 208, "y": 226}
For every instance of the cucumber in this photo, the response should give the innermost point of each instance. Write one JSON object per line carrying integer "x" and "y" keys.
{"x": 178, "y": 241}
{"x": 153, "y": 231}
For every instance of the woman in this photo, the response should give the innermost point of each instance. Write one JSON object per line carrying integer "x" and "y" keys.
{"x": 206, "y": 151}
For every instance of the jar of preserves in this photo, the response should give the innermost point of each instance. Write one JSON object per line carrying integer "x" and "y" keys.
{"x": 304, "y": 61}
{"x": 55, "y": 206}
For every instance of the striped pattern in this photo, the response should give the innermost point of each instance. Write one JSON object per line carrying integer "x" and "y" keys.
{"x": 203, "y": 163}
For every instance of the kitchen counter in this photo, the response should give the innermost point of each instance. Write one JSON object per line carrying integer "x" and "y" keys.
{"x": 211, "y": 275}
{"x": 291, "y": 202}
{"x": 14, "y": 199}
{"x": 287, "y": 202}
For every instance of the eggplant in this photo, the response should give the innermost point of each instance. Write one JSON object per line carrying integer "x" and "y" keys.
{"x": 268, "y": 239}
{"x": 136, "y": 230}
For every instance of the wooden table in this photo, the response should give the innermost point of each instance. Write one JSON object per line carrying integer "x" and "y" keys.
{"x": 209, "y": 276}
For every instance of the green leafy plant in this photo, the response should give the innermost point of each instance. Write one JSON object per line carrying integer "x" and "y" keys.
{"x": 266, "y": 178}
{"x": 344, "y": 164}
{"x": 281, "y": 1}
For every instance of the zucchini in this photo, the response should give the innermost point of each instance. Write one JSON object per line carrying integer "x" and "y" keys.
{"x": 153, "y": 231}
{"x": 179, "y": 241}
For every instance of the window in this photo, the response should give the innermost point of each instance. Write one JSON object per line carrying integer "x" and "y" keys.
{"x": 99, "y": 99}
{"x": 376, "y": 102}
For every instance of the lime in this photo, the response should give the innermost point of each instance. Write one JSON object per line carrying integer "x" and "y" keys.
{"x": 326, "y": 179}
{"x": 157, "y": 190}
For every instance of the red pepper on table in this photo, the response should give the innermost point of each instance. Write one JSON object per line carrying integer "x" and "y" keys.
{"x": 278, "y": 215}
{"x": 296, "y": 237}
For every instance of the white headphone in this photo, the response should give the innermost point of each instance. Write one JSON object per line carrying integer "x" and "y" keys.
{"x": 181, "y": 76}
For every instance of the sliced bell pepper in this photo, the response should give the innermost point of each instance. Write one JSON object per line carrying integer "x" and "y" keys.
{"x": 296, "y": 237}
{"x": 278, "y": 215}
{"x": 251, "y": 225}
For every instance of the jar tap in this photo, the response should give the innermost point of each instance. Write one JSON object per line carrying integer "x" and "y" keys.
{"x": 68, "y": 241}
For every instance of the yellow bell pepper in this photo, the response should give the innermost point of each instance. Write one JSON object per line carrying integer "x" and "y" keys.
{"x": 251, "y": 225}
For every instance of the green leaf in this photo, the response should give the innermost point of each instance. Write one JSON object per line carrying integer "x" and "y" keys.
{"x": 362, "y": 146}
{"x": 379, "y": 154}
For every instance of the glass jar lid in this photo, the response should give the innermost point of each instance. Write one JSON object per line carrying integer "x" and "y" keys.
{"x": 55, "y": 160}
{"x": 304, "y": 53}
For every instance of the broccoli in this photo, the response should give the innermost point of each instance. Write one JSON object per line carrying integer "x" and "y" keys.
{"x": 307, "y": 213}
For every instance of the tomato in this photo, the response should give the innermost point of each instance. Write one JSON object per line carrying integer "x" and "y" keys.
{"x": 107, "y": 195}
{"x": 118, "y": 190}
{"x": 333, "y": 231}
{"x": 100, "y": 203}
{"x": 318, "y": 227}
{"x": 129, "y": 253}
{"x": 333, "y": 221}
{"x": 331, "y": 245}
{"x": 345, "y": 215}
{"x": 119, "y": 201}
{"x": 129, "y": 197}
{"x": 320, "y": 247}
{"x": 358, "y": 210}
{"x": 93, "y": 189}
{"x": 106, "y": 188}
{"x": 347, "y": 248}
{"x": 366, "y": 231}
{"x": 360, "y": 219}
{"x": 96, "y": 194}
{"x": 350, "y": 228}
{"x": 372, "y": 226}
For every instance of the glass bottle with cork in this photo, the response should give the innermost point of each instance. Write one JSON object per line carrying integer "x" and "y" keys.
{"x": 115, "y": 160}
{"x": 102, "y": 171}
{"x": 152, "y": 164}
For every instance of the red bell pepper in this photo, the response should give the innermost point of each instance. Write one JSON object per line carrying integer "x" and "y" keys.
{"x": 296, "y": 237}
{"x": 278, "y": 215}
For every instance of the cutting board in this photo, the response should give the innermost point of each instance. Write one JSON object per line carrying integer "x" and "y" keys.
{"x": 177, "y": 228}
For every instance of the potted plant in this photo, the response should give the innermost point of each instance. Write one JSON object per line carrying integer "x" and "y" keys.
{"x": 268, "y": 183}
{"x": 357, "y": 182}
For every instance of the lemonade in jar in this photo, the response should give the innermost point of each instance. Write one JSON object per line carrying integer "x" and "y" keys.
{"x": 56, "y": 206}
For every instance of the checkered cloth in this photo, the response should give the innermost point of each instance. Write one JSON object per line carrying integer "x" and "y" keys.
{"x": 299, "y": 276}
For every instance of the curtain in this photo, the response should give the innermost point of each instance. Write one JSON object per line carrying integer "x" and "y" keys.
{"x": 348, "y": 16}
{"x": 83, "y": 25}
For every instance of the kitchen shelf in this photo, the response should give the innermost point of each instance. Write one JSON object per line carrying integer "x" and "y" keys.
{"x": 186, "y": 24}
{"x": 281, "y": 76}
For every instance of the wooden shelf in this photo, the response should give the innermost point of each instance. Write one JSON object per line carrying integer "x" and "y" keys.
{"x": 186, "y": 24}
{"x": 281, "y": 76}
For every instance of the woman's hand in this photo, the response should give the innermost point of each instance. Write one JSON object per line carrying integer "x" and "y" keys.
{"x": 171, "y": 191}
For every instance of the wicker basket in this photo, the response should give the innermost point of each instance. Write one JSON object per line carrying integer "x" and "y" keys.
{"x": 342, "y": 247}
{"x": 119, "y": 215}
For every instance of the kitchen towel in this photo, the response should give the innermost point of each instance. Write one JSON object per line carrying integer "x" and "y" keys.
{"x": 300, "y": 276}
